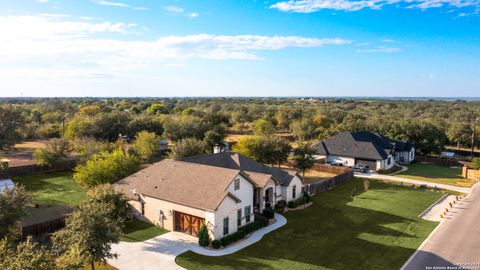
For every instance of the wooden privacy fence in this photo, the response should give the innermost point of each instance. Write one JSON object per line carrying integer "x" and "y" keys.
{"x": 330, "y": 169}
{"x": 43, "y": 227}
{"x": 63, "y": 165}
{"x": 324, "y": 185}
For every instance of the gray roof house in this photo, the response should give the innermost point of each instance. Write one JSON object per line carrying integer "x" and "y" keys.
{"x": 367, "y": 148}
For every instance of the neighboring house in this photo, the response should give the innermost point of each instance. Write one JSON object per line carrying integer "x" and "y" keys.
{"x": 367, "y": 148}
{"x": 210, "y": 189}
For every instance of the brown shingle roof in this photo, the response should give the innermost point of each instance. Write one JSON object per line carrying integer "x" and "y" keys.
{"x": 237, "y": 161}
{"x": 190, "y": 184}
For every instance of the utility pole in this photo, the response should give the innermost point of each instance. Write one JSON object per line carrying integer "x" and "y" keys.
{"x": 473, "y": 137}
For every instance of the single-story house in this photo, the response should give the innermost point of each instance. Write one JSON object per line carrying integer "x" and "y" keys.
{"x": 220, "y": 190}
{"x": 366, "y": 148}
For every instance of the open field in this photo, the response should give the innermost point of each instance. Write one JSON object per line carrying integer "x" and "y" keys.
{"x": 436, "y": 174}
{"x": 377, "y": 229}
{"x": 52, "y": 188}
{"x": 138, "y": 231}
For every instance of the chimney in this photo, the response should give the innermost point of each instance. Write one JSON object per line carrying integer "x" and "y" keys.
{"x": 217, "y": 149}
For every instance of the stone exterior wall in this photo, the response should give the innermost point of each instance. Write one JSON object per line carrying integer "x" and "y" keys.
{"x": 471, "y": 174}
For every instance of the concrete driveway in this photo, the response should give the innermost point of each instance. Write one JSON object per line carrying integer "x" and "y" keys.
{"x": 160, "y": 252}
{"x": 455, "y": 243}
{"x": 157, "y": 253}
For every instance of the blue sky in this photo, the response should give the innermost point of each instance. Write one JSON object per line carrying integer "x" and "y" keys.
{"x": 240, "y": 48}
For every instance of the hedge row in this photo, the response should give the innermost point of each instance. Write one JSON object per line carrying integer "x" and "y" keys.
{"x": 242, "y": 232}
{"x": 298, "y": 202}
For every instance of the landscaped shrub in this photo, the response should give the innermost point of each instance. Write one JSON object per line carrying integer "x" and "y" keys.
{"x": 291, "y": 204}
{"x": 296, "y": 203}
{"x": 253, "y": 226}
{"x": 203, "y": 238}
{"x": 216, "y": 244}
{"x": 268, "y": 213}
{"x": 262, "y": 219}
{"x": 227, "y": 240}
{"x": 280, "y": 206}
{"x": 242, "y": 232}
{"x": 306, "y": 196}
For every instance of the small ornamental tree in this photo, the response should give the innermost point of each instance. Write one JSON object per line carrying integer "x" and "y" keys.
{"x": 188, "y": 147}
{"x": 105, "y": 168}
{"x": 303, "y": 157}
{"x": 203, "y": 237}
{"x": 91, "y": 229}
{"x": 147, "y": 145}
{"x": 45, "y": 157}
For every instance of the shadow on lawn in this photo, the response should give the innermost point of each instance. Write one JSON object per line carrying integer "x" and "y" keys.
{"x": 331, "y": 234}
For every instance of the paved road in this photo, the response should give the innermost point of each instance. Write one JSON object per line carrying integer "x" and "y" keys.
{"x": 374, "y": 175}
{"x": 455, "y": 243}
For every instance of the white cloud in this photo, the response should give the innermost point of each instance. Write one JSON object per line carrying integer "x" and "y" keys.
{"x": 62, "y": 46}
{"x": 174, "y": 9}
{"x": 42, "y": 1}
{"x": 117, "y": 4}
{"x": 308, "y": 6}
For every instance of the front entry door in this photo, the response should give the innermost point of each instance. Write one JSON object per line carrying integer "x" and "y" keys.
{"x": 187, "y": 223}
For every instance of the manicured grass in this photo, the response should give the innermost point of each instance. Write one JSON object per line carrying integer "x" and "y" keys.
{"x": 436, "y": 174}
{"x": 53, "y": 188}
{"x": 378, "y": 229}
{"x": 138, "y": 231}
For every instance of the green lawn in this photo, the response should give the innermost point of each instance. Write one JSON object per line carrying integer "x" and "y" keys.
{"x": 435, "y": 174}
{"x": 138, "y": 231}
{"x": 52, "y": 188}
{"x": 378, "y": 229}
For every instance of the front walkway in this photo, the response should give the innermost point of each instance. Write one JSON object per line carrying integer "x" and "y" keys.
{"x": 374, "y": 175}
{"x": 160, "y": 252}
{"x": 252, "y": 239}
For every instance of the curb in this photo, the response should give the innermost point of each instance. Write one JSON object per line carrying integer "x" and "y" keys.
{"x": 433, "y": 205}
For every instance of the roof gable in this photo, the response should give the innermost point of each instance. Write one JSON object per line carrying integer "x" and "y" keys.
{"x": 367, "y": 145}
{"x": 194, "y": 185}
{"x": 237, "y": 161}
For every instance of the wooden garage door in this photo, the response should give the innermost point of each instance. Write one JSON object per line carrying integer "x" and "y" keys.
{"x": 187, "y": 223}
